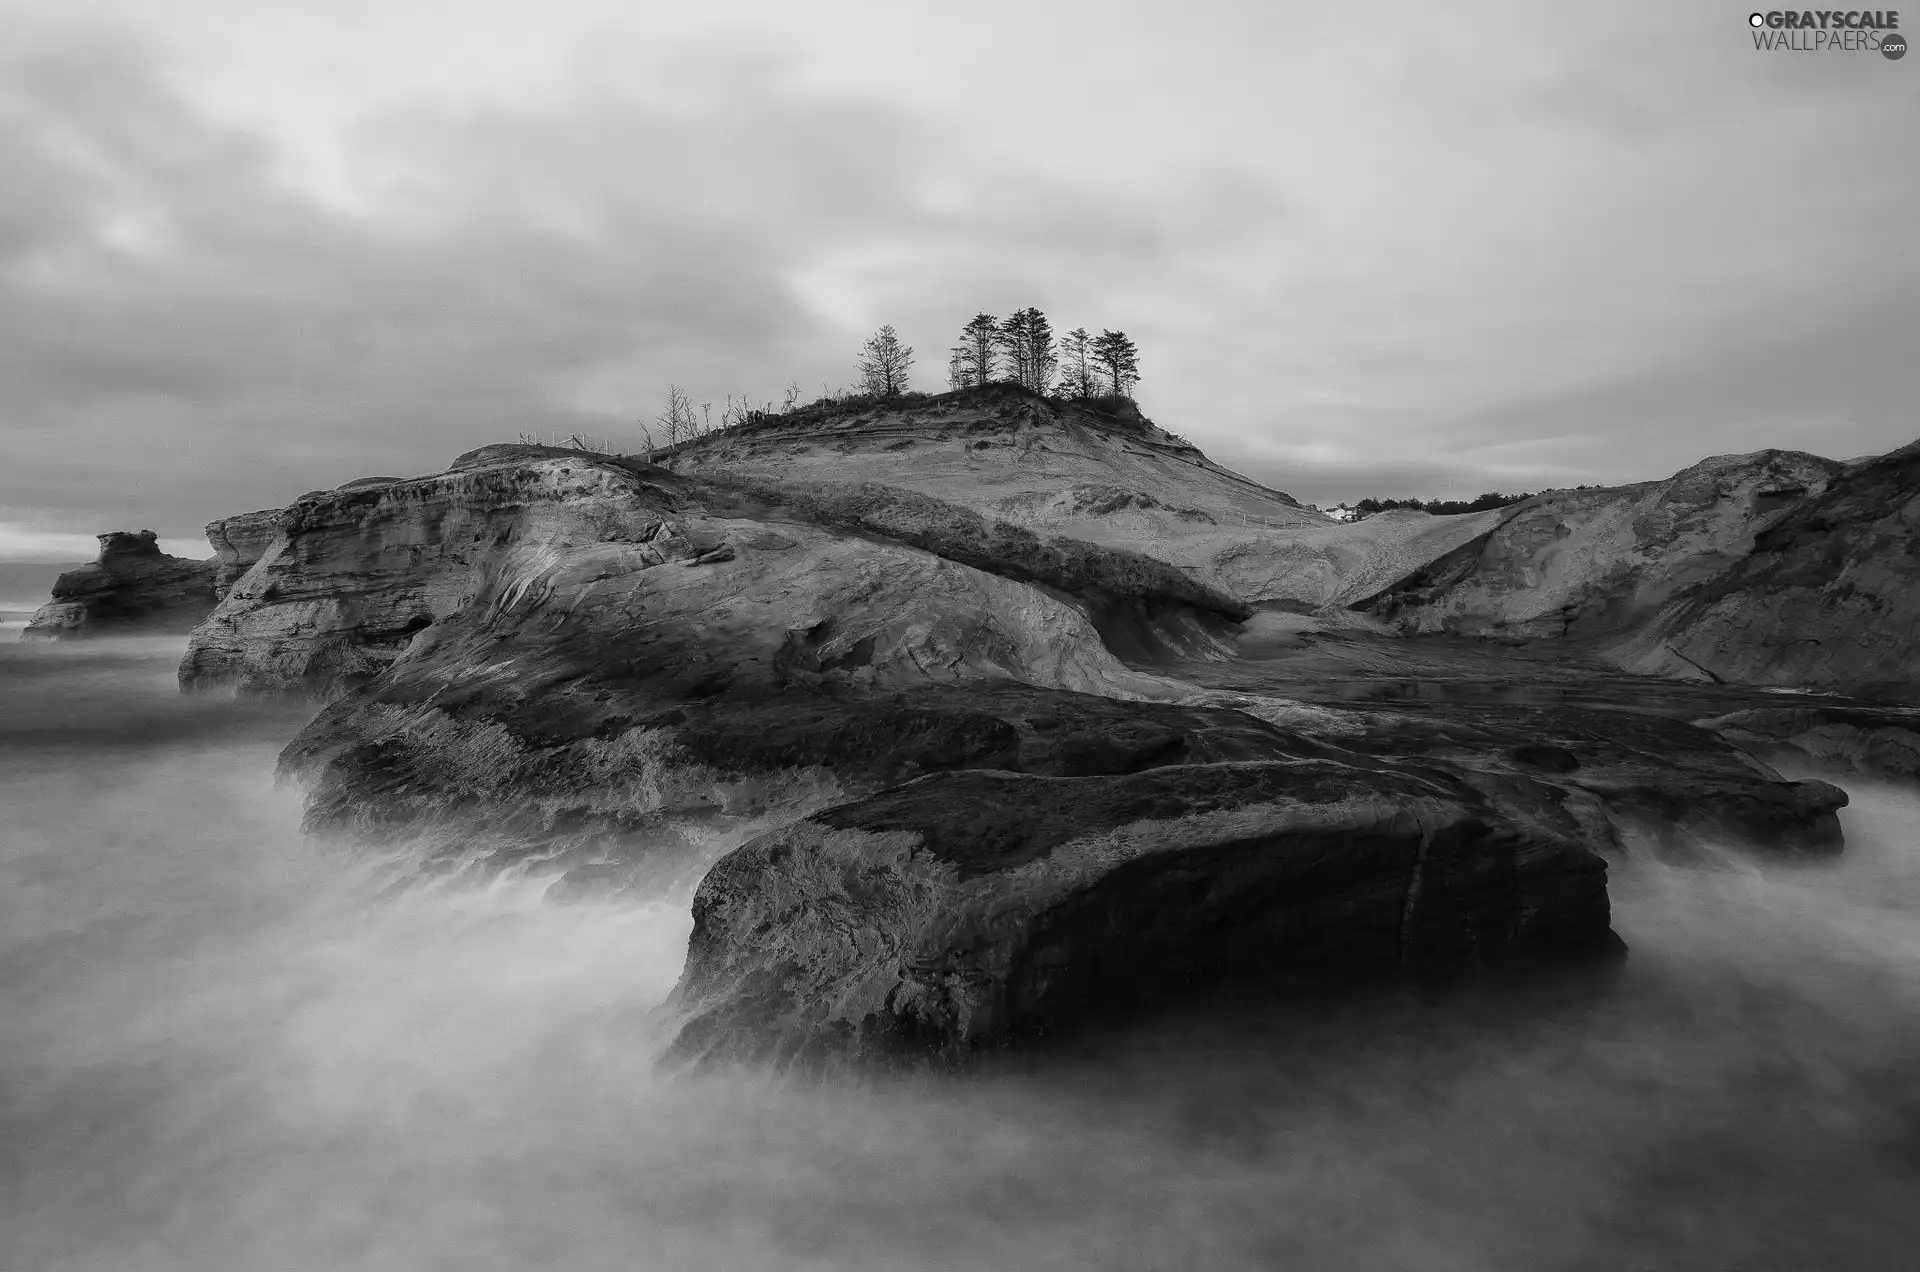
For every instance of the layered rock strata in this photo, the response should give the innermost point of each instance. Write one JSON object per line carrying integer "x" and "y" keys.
{"x": 238, "y": 543}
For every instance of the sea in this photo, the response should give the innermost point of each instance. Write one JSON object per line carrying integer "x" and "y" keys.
{"x": 224, "y": 1045}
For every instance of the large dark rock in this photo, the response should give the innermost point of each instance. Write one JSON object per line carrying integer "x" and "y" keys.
{"x": 132, "y": 589}
{"x": 963, "y": 910}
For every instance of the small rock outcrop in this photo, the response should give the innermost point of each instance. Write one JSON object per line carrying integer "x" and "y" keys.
{"x": 132, "y": 589}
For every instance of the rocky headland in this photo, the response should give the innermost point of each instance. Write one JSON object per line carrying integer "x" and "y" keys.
{"x": 975, "y": 713}
{"x": 131, "y": 589}
{"x": 971, "y": 723}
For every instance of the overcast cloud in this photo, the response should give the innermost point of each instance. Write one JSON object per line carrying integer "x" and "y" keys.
{"x": 248, "y": 250}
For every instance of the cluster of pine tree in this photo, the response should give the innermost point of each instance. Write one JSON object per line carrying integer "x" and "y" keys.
{"x": 1021, "y": 349}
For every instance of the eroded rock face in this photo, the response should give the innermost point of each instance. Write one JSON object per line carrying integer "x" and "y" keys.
{"x": 952, "y": 914}
{"x": 1592, "y": 563}
{"x": 133, "y": 588}
{"x": 524, "y": 540}
{"x": 541, "y": 652}
{"x": 238, "y": 543}
{"x": 1827, "y": 598}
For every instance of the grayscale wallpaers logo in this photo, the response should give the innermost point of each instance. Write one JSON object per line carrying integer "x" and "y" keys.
{"x": 1829, "y": 31}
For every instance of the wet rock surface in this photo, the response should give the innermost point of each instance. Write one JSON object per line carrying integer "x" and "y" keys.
{"x": 133, "y": 588}
{"x": 952, "y": 914}
{"x": 1875, "y": 741}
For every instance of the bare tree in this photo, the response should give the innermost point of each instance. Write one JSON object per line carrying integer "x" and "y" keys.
{"x": 790, "y": 397}
{"x": 1119, "y": 361}
{"x": 738, "y": 413}
{"x": 678, "y": 421}
{"x": 884, "y": 361}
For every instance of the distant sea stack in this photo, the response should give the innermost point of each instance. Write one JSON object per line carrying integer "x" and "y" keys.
{"x": 132, "y": 589}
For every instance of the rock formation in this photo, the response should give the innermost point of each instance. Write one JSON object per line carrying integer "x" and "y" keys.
{"x": 1826, "y": 598}
{"x": 951, "y": 914}
{"x": 1877, "y": 741}
{"x": 1072, "y": 470}
{"x": 238, "y": 542}
{"x": 132, "y": 589}
{"x": 1595, "y": 563}
{"x": 957, "y": 766}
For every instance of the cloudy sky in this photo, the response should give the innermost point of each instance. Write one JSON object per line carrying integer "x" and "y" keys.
{"x": 252, "y": 249}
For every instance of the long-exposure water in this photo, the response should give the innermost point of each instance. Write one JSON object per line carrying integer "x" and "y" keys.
{"x": 223, "y": 1046}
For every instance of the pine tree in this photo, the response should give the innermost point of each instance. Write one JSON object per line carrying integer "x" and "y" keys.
{"x": 678, "y": 421}
{"x": 980, "y": 338}
{"x": 1012, "y": 339}
{"x": 884, "y": 362}
{"x": 1042, "y": 356}
{"x": 1076, "y": 367}
{"x": 1119, "y": 361}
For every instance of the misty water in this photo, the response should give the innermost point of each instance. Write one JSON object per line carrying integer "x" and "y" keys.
{"x": 222, "y": 1046}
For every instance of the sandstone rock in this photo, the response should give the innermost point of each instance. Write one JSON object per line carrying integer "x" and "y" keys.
{"x": 1591, "y": 563}
{"x": 238, "y": 543}
{"x": 133, "y": 588}
{"x": 963, "y": 910}
{"x": 1826, "y": 599}
{"x": 565, "y": 552}
{"x": 1065, "y": 470}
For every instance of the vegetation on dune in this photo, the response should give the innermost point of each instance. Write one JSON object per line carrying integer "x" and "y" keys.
{"x": 1437, "y": 507}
